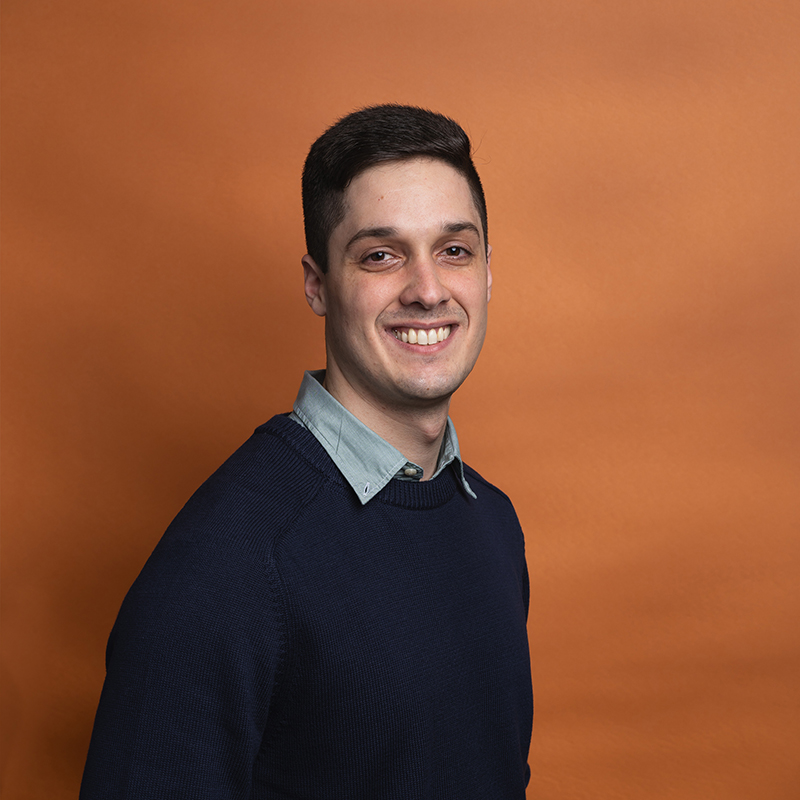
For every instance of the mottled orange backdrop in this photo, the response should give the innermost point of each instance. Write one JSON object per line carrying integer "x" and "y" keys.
{"x": 638, "y": 392}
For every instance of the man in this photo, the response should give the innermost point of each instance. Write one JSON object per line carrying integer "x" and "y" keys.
{"x": 340, "y": 610}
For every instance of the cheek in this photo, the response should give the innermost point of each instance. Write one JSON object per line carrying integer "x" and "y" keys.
{"x": 363, "y": 304}
{"x": 352, "y": 313}
{"x": 471, "y": 295}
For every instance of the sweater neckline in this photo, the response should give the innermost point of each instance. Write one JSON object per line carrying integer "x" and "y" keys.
{"x": 414, "y": 495}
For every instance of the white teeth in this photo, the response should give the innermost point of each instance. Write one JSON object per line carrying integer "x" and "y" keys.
{"x": 423, "y": 336}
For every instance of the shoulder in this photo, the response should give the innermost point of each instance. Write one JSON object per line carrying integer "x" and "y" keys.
{"x": 258, "y": 491}
{"x": 491, "y": 499}
{"x": 484, "y": 489}
{"x": 218, "y": 552}
{"x": 493, "y": 506}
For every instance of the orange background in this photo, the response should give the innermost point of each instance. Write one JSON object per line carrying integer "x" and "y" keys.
{"x": 637, "y": 396}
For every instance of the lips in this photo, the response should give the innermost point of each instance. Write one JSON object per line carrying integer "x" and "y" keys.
{"x": 423, "y": 336}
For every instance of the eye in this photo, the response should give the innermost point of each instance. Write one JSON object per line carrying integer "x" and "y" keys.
{"x": 380, "y": 260}
{"x": 456, "y": 252}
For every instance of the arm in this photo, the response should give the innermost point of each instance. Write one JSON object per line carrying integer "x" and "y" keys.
{"x": 191, "y": 666}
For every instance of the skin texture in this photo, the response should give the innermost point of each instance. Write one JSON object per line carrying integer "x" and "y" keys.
{"x": 409, "y": 253}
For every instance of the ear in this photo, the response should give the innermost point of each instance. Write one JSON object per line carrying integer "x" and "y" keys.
{"x": 314, "y": 285}
{"x": 488, "y": 273}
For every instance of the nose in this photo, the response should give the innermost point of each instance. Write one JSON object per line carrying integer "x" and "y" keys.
{"x": 424, "y": 285}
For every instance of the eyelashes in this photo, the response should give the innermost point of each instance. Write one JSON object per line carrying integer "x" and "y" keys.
{"x": 454, "y": 253}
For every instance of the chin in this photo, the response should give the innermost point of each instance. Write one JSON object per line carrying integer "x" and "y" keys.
{"x": 430, "y": 391}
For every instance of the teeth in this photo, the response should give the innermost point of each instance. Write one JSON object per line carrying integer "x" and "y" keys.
{"x": 422, "y": 335}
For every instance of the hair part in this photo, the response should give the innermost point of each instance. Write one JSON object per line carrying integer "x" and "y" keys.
{"x": 371, "y": 136}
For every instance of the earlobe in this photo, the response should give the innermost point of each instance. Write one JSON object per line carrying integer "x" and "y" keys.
{"x": 314, "y": 285}
{"x": 488, "y": 273}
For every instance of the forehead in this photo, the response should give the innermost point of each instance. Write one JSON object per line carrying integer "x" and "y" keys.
{"x": 409, "y": 192}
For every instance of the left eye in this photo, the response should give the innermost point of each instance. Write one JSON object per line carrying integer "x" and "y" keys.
{"x": 455, "y": 250}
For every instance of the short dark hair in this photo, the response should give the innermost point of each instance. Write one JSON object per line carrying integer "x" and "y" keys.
{"x": 368, "y": 137}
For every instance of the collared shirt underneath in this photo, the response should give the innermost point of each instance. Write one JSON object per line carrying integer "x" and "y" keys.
{"x": 366, "y": 461}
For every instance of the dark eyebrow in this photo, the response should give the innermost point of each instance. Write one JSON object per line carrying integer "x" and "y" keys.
{"x": 385, "y": 233}
{"x": 458, "y": 227}
{"x": 370, "y": 233}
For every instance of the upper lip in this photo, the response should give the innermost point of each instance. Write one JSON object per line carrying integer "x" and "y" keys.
{"x": 422, "y": 325}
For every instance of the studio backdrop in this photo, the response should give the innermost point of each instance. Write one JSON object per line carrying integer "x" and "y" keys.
{"x": 637, "y": 396}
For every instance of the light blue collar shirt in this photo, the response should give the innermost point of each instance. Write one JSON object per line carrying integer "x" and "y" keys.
{"x": 366, "y": 461}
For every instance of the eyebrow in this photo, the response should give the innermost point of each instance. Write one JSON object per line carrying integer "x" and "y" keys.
{"x": 458, "y": 227}
{"x": 370, "y": 233}
{"x": 384, "y": 233}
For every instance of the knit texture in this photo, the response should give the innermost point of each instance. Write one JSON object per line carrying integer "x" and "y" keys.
{"x": 285, "y": 642}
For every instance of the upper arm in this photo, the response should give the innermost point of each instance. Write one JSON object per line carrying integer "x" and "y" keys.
{"x": 192, "y": 665}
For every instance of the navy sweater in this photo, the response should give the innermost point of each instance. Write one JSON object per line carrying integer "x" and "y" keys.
{"x": 284, "y": 641}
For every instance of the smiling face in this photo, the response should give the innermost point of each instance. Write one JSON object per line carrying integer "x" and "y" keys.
{"x": 407, "y": 288}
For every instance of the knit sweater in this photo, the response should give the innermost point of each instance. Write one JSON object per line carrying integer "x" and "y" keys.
{"x": 284, "y": 641}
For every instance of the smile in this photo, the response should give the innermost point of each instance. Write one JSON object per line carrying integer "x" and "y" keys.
{"x": 422, "y": 335}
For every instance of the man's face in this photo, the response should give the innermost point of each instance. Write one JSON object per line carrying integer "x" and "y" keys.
{"x": 407, "y": 265}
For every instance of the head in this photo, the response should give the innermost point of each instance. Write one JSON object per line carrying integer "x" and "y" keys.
{"x": 400, "y": 229}
{"x": 372, "y": 136}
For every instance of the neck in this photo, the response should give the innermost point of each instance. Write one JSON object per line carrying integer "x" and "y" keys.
{"x": 417, "y": 431}
{"x": 418, "y": 435}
